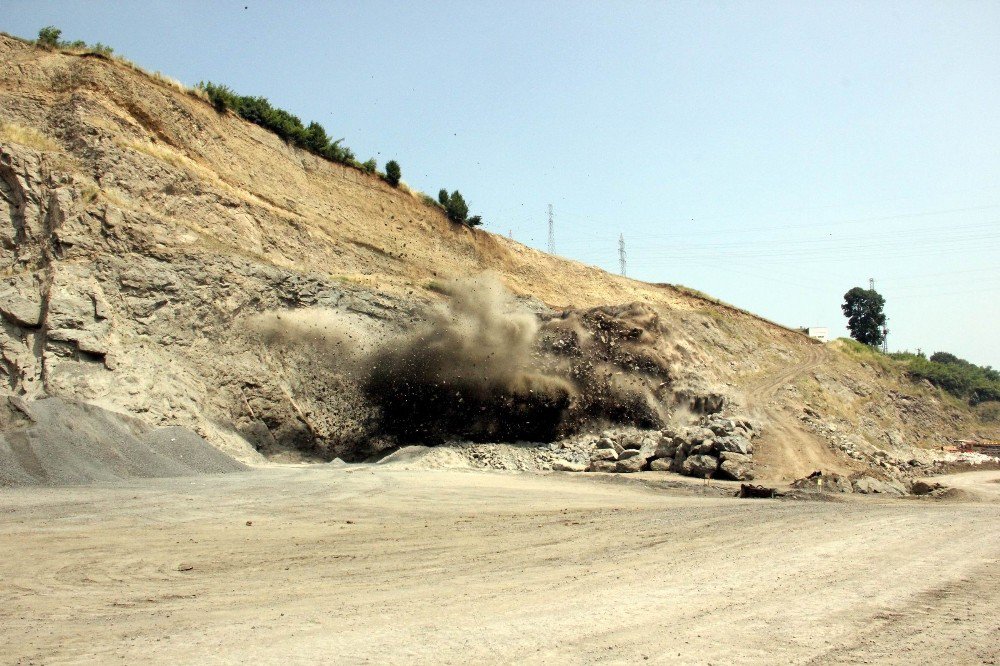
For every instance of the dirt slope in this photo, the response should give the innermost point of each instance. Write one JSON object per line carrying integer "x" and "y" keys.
{"x": 144, "y": 233}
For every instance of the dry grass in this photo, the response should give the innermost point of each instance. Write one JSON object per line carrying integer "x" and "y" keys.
{"x": 28, "y": 136}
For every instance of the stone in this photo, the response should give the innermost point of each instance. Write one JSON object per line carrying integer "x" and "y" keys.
{"x": 604, "y": 454}
{"x": 740, "y": 458}
{"x": 734, "y": 444}
{"x": 700, "y": 465}
{"x": 662, "y": 465}
{"x": 867, "y": 485}
{"x": 721, "y": 426}
{"x": 666, "y": 448}
{"x": 628, "y": 453}
{"x": 568, "y": 466}
{"x": 628, "y": 465}
{"x": 735, "y": 470}
{"x": 601, "y": 466}
{"x": 704, "y": 448}
{"x": 24, "y": 308}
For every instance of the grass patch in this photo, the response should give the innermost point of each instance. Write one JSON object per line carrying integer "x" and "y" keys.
{"x": 28, "y": 136}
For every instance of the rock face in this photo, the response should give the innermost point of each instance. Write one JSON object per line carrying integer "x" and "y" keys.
{"x": 150, "y": 244}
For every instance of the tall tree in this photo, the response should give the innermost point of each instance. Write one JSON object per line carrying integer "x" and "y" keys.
{"x": 456, "y": 208}
{"x": 865, "y": 319}
{"x": 392, "y": 172}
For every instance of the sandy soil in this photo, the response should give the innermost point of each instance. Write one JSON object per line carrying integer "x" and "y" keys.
{"x": 373, "y": 564}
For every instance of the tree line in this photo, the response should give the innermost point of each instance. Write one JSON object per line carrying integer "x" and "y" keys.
{"x": 968, "y": 381}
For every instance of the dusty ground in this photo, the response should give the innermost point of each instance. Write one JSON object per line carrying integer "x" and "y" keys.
{"x": 375, "y": 564}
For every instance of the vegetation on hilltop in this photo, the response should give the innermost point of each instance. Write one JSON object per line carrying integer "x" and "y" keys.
{"x": 963, "y": 379}
{"x": 49, "y": 37}
{"x": 288, "y": 126}
{"x": 967, "y": 381}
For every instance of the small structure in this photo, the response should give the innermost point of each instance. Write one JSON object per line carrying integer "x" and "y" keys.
{"x": 821, "y": 333}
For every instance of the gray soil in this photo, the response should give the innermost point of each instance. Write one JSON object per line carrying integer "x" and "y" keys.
{"x": 57, "y": 442}
{"x": 376, "y": 564}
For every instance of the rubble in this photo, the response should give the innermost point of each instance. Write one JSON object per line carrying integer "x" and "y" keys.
{"x": 713, "y": 447}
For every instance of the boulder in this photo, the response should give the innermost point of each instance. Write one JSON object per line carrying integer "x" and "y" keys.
{"x": 604, "y": 454}
{"x": 601, "y": 466}
{"x": 608, "y": 443}
{"x": 704, "y": 448}
{"x": 662, "y": 465}
{"x": 666, "y": 448}
{"x": 867, "y": 485}
{"x": 567, "y": 466}
{"x": 721, "y": 426}
{"x": 736, "y": 471}
{"x": 740, "y": 458}
{"x": 629, "y": 453}
{"x": 700, "y": 465}
{"x": 734, "y": 444}
{"x": 631, "y": 464}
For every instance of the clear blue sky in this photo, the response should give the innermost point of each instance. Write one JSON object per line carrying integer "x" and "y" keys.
{"x": 771, "y": 154}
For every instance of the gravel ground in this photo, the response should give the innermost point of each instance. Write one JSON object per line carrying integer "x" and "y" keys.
{"x": 375, "y": 564}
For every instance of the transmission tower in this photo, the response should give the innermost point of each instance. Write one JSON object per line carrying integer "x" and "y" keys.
{"x": 552, "y": 233}
{"x": 885, "y": 326}
{"x": 621, "y": 252}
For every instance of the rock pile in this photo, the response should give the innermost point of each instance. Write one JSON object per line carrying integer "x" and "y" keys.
{"x": 715, "y": 447}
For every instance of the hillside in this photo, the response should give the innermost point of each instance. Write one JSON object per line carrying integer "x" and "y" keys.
{"x": 189, "y": 268}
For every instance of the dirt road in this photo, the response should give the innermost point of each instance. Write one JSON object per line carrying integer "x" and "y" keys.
{"x": 787, "y": 451}
{"x": 372, "y": 565}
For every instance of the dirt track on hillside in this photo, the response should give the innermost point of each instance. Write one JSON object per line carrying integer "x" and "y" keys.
{"x": 787, "y": 451}
{"x": 376, "y": 565}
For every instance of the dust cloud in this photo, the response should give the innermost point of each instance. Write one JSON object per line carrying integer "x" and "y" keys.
{"x": 480, "y": 366}
{"x": 470, "y": 371}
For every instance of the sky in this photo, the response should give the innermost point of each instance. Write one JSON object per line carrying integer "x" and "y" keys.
{"x": 771, "y": 154}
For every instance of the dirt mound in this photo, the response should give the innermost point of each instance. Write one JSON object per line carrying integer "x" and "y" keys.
{"x": 56, "y": 442}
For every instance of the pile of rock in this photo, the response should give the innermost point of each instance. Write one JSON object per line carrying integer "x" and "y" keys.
{"x": 716, "y": 447}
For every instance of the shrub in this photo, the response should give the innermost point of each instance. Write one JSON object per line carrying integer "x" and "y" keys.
{"x": 475, "y": 220}
{"x": 315, "y": 139}
{"x": 369, "y": 166}
{"x": 957, "y": 376}
{"x": 989, "y": 412}
{"x": 456, "y": 208}
{"x": 49, "y": 36}
{"x": 443, "y": 197}
{"x": 392, "y": 173}
{"x": 101, "y": 49}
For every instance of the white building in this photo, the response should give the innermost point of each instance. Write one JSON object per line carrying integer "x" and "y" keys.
{"x": 821, "y": 333}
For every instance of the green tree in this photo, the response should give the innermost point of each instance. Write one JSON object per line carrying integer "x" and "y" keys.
{"x": 475, "y": 220}
{"x": 316, "y": 140}
{"x": 392, "y": 172}
{"x": 443, "y": 197}
{"x": 49, "y": 36}
{"x": 456, "y": 208}
{"x": 865, "y": 319}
